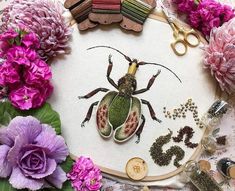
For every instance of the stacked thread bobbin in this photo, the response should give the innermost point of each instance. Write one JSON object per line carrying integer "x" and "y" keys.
{"x": 81, "y": 9}
{"x": 106, "y": 6}
{"x": 136, "y": 10}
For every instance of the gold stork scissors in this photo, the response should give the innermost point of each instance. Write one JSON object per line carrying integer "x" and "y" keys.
{"x": 181, "y": 35}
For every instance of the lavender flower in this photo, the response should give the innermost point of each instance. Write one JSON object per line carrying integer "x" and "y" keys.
{"x": 30, "y": 153}
{"x": 44, "y": 18}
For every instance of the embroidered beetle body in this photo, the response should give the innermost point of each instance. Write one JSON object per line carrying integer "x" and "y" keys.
{"x": 119, "y": 112}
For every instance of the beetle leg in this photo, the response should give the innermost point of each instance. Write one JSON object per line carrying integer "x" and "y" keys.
{"x": 152, "y": 112}
{"x": 93, "y": 93}
{"x": 140, "y": 129}
{"x": 111, "y": 81}
{"x": 88, "y": 115}
{"x": 150, "y": 83}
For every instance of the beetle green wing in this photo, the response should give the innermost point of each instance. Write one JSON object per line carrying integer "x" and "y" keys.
{"x": 104, "y": 128}
{"x": 131, "y": 125}
{"x": 119, "y": 110}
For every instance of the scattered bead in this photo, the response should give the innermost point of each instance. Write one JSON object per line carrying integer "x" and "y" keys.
{"x": 182, "y": 110}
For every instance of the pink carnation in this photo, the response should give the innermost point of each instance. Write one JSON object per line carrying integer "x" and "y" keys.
{"x": 8, "y": 74}
{"x": 205, "y": 15}
{"x": 185, "y": 6}
{"x": 30, "y": 40}
{"x": 92, "y": 180}
{"x": 37, "y": 72}
{"x": 22, "y": 72}
{"x": 26, "y": 98}
{"x": 85, "y": 176}
{"x": 8, "y": 35}
{"x": 220, "y": 56}
{"x": 21, "y": 55}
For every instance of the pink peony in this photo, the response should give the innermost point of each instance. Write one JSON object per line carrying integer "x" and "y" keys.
{"x": 8, "y": 74}
{"x": 26, "y": 98}
{"x": 220, "y": 56}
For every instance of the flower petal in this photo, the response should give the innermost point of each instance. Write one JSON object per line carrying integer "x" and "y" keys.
{"x": 4, "y": 138}
{"x": 19, "y": 181}
{"x": 29, "y": 127}
{"x": 57, "y": 178}
{"x": 5, "y": 166}
{"x": 58, "y": 150}
{"x": 14, "y": 152}
{"x": 51, "y": 166}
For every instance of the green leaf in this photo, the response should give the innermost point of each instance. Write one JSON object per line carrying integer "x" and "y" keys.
{"x": 5, "y": 185}
{"x": 67, "y": 164}
{"x": 7, "y": 113}
{"x": 46, "y": 115}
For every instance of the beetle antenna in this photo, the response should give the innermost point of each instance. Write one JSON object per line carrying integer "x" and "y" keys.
{"x": 126, "y": 57}
{"x": 145, "y": 63}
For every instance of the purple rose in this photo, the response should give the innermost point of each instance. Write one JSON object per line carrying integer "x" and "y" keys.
{"x": 8, "y": 74}
{"x": 21, "y": 55}
{"x": 37, "y": 73}
{"x": 26, "y": 97}
{"x": 31, "y": 41}
{"x": 30, "y": 153}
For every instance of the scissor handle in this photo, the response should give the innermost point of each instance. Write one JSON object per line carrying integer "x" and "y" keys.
{"x": 191, "y": 33}
{"x": 177, "y": 42}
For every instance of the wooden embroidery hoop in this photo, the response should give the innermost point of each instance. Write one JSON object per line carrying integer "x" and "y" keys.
{"x": 148, "y": 179}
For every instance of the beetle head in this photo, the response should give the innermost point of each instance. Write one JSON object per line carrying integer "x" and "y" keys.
{"x": 127, "y": 85}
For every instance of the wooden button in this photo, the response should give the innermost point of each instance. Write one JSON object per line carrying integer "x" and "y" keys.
{"x": 231, "y": 171}
{"x": 136, "y": 168}
{"x": 204, "y": 165}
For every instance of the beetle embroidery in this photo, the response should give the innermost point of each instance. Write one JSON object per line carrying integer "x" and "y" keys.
{"x": 119, "y": 112}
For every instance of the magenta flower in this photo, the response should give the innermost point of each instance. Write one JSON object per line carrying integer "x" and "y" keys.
{"x": 84, "y": 175}
{"x": 8, "y": 35}
{"x": 37, "y": 72}
{"x": 92, "y": 180}
{"x": 30, "y": 40}
{"x": 185, "y": 6}
{"x": 81, "y": 168}
{"x": 30, "y": 153}
{"x": 220, "y": 56}
{"x": 205, "y": 15}
{"x": 8, "y": 74}
{"x": 21, "y": 55}
{"x": 22, "y": 72}
{"x": 6, "y": 39}
{"x": 26, "y": 98}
